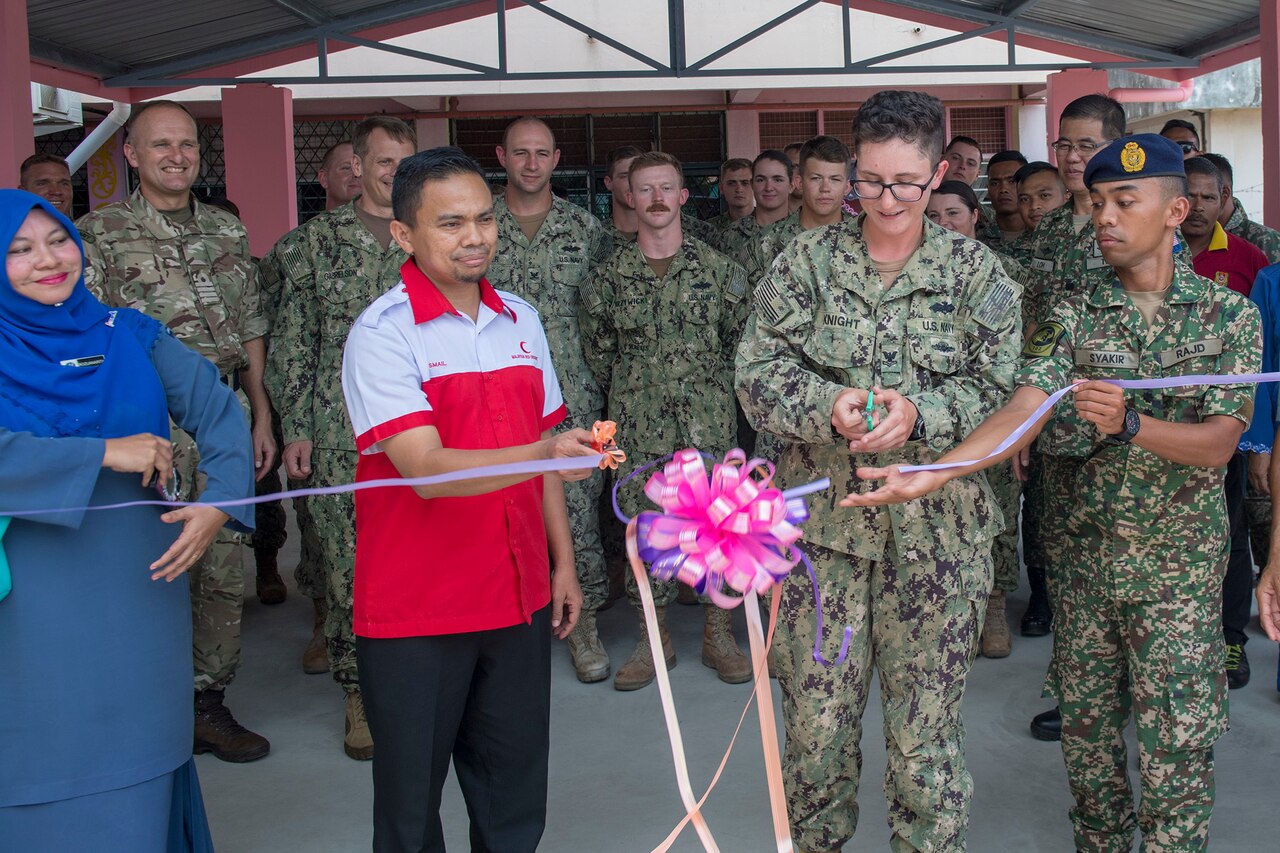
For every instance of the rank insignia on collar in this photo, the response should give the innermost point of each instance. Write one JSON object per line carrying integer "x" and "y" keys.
{"x": 1133, "y": 158}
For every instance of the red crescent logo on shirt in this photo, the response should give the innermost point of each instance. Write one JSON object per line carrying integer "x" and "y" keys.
{"x": 523, "y": 348}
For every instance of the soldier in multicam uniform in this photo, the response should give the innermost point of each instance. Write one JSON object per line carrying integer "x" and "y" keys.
{"x": 328, "y": 271}
{"x": 772, "y": 177}
{"x": 735, "y": 189}
{"x": 1139, "y": 613}
{"x": 547, "y": 250}
{"x": 927, "y": 321}
{"x": 1065, "y": 260}
{"x": 659, "y": 325}
{"x": 188, "y": 265}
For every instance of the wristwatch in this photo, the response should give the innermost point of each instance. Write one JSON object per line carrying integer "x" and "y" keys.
{"x": 1132, "y": 424}
{"x": 917, "y": 430}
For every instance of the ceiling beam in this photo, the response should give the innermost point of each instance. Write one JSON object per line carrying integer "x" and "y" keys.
{"x": 79, "y": 60}
{"x": 766, "y": 27}
{"x": 304, "y": 10}
{"x": 1227, "y": 37}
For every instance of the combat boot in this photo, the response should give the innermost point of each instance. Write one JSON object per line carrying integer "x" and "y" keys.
{"x": 1047, "y": 725}
{"x": 357, "y": 742}
{"x": 218, "y": 732}
{"x": 270, "y": 586}
{"x": 638, "y": 671}
{"x": 590, "y": 660}
{"x": 1038, "y": 618}
{"x": 719, "y": 651}
{"x": 996, "y": 639}
{"x": 315, "y": 657}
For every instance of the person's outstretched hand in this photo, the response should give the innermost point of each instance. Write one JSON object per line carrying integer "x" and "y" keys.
{"x": 200, "y": 524}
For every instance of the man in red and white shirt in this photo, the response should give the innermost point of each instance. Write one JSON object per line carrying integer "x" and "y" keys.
{"x": 457, "y": 586}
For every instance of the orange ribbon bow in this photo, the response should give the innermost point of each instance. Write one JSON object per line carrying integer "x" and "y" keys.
{"x": 602, "y": 433}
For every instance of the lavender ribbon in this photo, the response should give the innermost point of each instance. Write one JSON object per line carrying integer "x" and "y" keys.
{"x": 1130, "y": 384}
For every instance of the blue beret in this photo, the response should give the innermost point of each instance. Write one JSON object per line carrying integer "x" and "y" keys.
{"x": 1143, "y": 155}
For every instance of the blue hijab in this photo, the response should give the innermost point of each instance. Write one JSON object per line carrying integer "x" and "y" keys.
{"x": 42, "y": 391}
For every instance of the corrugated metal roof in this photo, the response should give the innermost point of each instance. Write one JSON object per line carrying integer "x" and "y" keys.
{"x": 120, "y": 40}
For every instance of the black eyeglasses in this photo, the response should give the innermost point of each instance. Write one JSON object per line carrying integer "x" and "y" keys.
{"x": 1188, "y": 147}
{"x": 901, "y": 190}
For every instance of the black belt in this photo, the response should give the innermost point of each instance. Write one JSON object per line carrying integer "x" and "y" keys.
{"x": 231, "y": 379}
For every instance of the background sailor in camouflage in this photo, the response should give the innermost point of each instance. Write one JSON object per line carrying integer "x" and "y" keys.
{"x": 328, "y": 271}
{"x": 1139, "y": 611}
{"x": 936, "y": 334}
{"x": 621, "y": 227}
{"x": 659, "y": 326}
{"x": 188, "y": 265}
{"x": 772, "y": 177}
{"x": 735, "y": 190}
{"x": 547, "y": 250}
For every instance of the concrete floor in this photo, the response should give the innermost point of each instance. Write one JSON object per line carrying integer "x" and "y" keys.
{"x": 612, "y": 783}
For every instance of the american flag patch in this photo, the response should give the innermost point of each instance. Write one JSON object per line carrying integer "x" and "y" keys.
{"x": 769, "y": 302}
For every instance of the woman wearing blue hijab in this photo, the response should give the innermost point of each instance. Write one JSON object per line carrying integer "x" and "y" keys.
{"x": 95, "y": 619}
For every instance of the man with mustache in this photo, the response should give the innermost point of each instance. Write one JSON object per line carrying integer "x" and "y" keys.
{"x": 659, "y": 326}
{"x": 547, "y": 249}
{"x": 325, "y": 272}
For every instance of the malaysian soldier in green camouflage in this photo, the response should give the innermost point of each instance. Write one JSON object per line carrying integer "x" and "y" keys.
{"x": 188, "y": 265}
{"x": 1005, "y": 223}
{"x": 659, "y": 325}
{"x": 1139, "y": 615}
{"x": 547, "y": 250}
{"x": 933, "y": 331}
{"x": 329, "y": 270}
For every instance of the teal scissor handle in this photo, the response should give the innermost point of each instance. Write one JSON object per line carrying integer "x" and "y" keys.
{"x": 871, "y": 407}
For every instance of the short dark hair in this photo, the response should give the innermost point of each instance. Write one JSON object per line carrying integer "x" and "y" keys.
{"x": 1098, "y": 108}
{"x": 825, "y": 149}
{"x": 1223, "y": 164}
{"x": 434, "y": 164}
{"x": 913, "y": 117}
{"x": 1205, "y": 167}
{"x": 1009, "y": 156}
{"x": 390, "y": 125}
{"x": 963, "y": 140}
{"x": 734, "y": 164}
{"x": 776, "y": 156}
{"x": 1184, "y": 125}
{"x": 617, "y": 155}
{"x": 1035, "y": 167}
{"x": 794, "y": 146}
{"x": 332, "y": 149}
{"x": 139, "y": 110}
{"x": 652, "y": 159}
{"x": 37, "y": 160}
{"x": 960, "y": 188}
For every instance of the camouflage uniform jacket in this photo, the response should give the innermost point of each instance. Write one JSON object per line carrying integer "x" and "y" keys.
{"x": 1256, "y": 233}
{"x": 327, "y": 271}
{"x": 197, "y": 278}
{"x": 664, "y": 348}
{"x": 1019, "y": 248}
{"x": 700, "y": 229}
{"x": 736, "y": 240}
{"x": 1143, "y": 509}
{"x": 945, "y": 334}
{"x": 549, "y": 273}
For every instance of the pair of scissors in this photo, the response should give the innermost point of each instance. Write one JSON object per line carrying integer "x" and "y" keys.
{"x": 870, "y": 409}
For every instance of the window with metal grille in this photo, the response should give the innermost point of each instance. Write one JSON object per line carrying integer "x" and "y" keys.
{"x": 839, "y": 123}
{"x": 989, "y": 126}
{"x": 311, "y": 141}
{"x": 780, "y": 129}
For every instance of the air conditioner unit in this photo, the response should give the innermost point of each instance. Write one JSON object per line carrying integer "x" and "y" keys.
{"x": 54, "y": 109}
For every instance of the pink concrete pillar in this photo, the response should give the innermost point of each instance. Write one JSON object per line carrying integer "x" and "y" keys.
{"x": 1269, "y": 18}
{"x": 742, "y": 133}
{"x": 107, "y": 172}
{"x": 1065, "y": 87}
{"x": 17, "y": 136}
{"x": 257, "y": 137}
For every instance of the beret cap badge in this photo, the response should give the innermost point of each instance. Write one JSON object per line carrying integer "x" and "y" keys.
{"x": 1133, "y": 158}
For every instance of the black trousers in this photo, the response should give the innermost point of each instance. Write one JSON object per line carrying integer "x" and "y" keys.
{"x": 482, "y": 699}
{"x": 1237, "y": 588}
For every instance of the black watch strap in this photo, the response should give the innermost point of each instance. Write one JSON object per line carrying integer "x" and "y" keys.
{"x": 1131, "y": 425}
{"x": 917, "y": 430}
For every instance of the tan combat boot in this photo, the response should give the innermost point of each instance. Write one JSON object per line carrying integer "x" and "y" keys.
{"x": 590, "y": 660}
{"x": 357, "y": 743}
{"x": 719, "y": 651}
{"x": 638, "y": 671}
{"x": 996, "y": 639}
{"x": 315, "y": 657}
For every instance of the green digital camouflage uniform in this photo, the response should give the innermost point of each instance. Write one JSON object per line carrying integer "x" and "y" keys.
{"x": 912, "y": 580}
{"x": 1019, "y": 249}
{"x": 1138, "y": 620}
{"x": 549, "y": 272}
{"x": 199, "y": 279}
{"x": 737, "y": 238}
{"x": 664, "y": 350}
{"x": 1257, "y": 505}
{"x": 328, "y": 271}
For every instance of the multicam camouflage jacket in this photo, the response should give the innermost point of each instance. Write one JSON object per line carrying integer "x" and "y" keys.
{"x": 198, "y": 278}
{"x": 1146, "y": 510}
{"x": 946, "y": 334}
{"x": 326, "y": 272}
{"x": 549, "y": 272}
{"x": 664, "y": 348}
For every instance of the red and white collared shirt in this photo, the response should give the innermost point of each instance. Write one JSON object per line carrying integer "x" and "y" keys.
{"x": 448, "y": 565}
